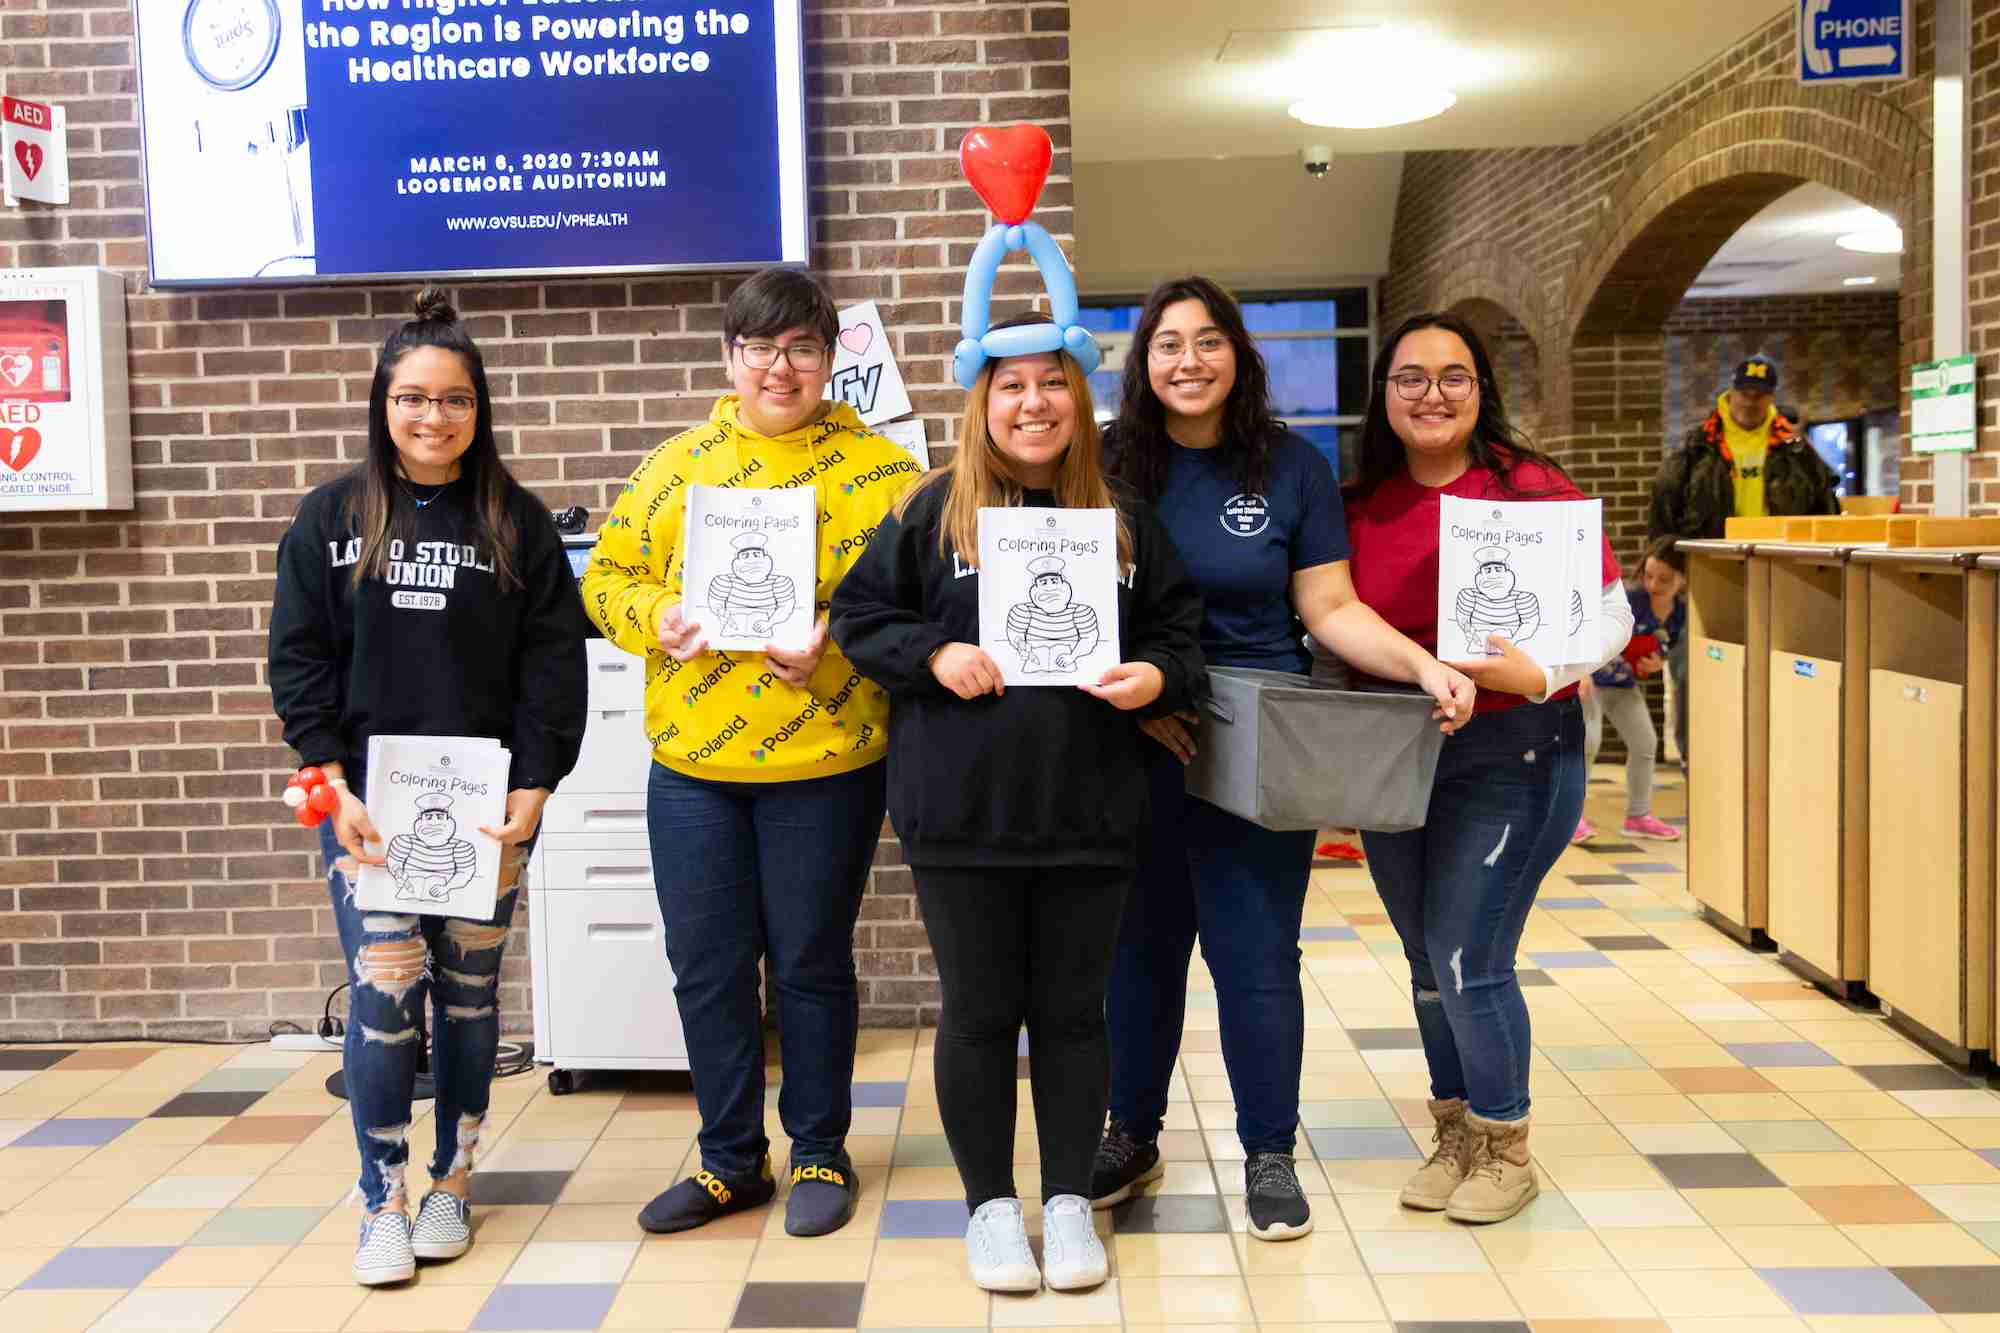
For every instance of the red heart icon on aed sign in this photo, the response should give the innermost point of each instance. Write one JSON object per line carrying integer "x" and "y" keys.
{"x": 19, "y": 447}
{"x": 29, "y": 155}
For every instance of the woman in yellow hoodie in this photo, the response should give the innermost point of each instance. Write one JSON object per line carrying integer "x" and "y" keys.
{"x": 766, "y": 796}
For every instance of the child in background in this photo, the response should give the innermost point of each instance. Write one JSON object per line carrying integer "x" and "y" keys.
{"x": 1659, "y": 618}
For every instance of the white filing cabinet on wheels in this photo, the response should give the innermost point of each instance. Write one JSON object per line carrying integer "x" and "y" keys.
{"x": 603, "y": 993}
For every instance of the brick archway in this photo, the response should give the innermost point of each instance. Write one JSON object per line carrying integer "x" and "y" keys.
{"x": 1709, "y": 169}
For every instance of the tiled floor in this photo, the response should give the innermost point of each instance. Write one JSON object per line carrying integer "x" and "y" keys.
{"x": 1723, "y": 1151}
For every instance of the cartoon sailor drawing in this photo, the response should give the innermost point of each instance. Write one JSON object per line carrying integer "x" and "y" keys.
{"x": 1049, "y": 630}
{"x": 750, "y": 599}
{"x": 1494, "y": 605}
{"x": 431, "y": 861}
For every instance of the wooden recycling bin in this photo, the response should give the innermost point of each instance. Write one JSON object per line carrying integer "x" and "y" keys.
{"x": 1817, "y": 788}
{"x": 1729, "y": 668}
{"x": 1931, "y": 655}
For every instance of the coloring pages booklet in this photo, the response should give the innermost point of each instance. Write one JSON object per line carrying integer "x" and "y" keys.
{"x": 1048, "y": 594}
{"x": 428, "y": 796}
{"x": 1530, "y": 571}
{"x": 749, "y": 574}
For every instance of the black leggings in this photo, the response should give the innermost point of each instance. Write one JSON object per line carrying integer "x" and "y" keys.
{"x": 1031, "y": 945}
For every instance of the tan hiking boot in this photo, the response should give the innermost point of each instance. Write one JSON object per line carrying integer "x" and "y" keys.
{"x": 1500, "y": 1180}
{"x": 1431, "y": 1188}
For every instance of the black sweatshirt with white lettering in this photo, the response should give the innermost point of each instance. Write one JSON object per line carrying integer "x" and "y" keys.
{"x": 436, "y": 647}
{"x": 1039, "y": 775}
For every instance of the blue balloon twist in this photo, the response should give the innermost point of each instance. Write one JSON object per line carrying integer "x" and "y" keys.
{"x": 980, "y": 344}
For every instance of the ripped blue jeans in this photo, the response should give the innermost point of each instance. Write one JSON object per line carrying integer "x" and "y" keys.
{"x": 393, "y": 964}
{"x": 1508, "y": 794}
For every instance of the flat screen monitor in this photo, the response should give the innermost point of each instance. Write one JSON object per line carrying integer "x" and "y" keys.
{"x": 301, "y": 141}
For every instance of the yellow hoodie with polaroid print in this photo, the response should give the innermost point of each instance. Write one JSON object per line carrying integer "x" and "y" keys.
{"x": 726, "y": 716}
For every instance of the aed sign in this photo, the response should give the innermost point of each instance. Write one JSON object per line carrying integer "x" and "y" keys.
{"x": 1849, "y": 41}
{"x": 65, "y": 420}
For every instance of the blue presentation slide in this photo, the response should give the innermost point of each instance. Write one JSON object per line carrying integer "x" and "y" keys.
{"x": 416, "y": 137}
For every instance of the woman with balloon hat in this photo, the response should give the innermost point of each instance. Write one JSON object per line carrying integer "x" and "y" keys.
{"x": 1018, "y": 806}
{"x": 492, "y": 647}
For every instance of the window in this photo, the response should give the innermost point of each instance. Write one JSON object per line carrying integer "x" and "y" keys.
{"x": 1317, "y": 345}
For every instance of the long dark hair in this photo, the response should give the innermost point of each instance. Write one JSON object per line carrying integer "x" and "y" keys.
{"x": 372, "y": 507}
{"x": 1496, "y": 444}
{"x": 1249, "y": 426}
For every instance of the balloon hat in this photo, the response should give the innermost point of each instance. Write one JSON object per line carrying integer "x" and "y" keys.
{"x": 1007, "y": 168}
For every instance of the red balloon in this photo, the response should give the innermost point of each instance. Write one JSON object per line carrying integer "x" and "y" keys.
{"x": 310, "y": 777}
{"x": 295, "y": 781}
{"x": 308, "y": 816}
{"x": 1007, "y": 167}
{"x": 324, "y": 798}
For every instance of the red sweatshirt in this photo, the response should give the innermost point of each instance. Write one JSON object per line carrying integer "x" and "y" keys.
{"x": 1394, "y": 535}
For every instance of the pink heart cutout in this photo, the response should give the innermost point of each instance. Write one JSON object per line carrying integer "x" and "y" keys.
{"x": 857, "y": 339}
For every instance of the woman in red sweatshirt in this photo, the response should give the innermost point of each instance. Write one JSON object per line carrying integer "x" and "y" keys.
{"x": 1509, "y": 784}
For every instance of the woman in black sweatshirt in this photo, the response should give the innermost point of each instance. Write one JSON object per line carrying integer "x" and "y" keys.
{"x": 424, "y": 593}
{"x": 1018, "y": 808}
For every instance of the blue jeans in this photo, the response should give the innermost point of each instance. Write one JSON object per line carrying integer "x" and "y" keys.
{"x": 1509, "y": 792}
{"x": 777, "y": 869}
{"x": 393, "y": 962}
{"x": 1241, "y": 889}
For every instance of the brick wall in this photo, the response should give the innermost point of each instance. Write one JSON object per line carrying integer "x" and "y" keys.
{"x": 1837, "y": 355}
{"x": 1591, "y": 248}
{"x": 149, "y": 880}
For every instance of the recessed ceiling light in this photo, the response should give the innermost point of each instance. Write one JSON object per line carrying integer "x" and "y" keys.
{"x": 1868, "y": 281}
{"x": 1373, "y": 107}
{"x": 1875, "y": 241}
{"x": 1364, "y": 79}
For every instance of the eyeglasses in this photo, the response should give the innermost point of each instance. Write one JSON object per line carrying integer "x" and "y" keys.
{"x": 417, "y": 406}
{"x": 1454, "y": 386}
{"x": 764, "y": 355}
{"x": 1172, "y": 347}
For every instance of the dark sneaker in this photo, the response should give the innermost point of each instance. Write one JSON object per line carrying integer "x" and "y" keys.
{"x": 1123, "y": 1163}
{"x": 1278, "y": 1208}
{"x": 705, "y": 1196}
{"x": 822, "y": 1198}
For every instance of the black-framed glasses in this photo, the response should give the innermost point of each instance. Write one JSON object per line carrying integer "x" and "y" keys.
{"x": 1454, "y": 386}
{"x": 417, "y": 406}
{"x": 763, "y": 355}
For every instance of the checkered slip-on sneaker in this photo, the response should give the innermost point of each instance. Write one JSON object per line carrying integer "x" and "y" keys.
{"x": 443, "y": 1228}
{"x": 383, "y": 1254}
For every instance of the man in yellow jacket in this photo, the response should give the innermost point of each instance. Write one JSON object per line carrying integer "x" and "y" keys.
{"x": 766, "y": 797}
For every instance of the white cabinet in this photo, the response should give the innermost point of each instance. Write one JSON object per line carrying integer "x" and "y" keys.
{"x": 603, "y": 993}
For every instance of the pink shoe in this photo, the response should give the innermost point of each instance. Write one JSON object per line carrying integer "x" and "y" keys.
{"x": 1651, "y": 829}
{"x": 1585, "y": 831}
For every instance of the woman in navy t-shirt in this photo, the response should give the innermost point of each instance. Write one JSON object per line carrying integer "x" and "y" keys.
{"x": 1255, "y": 512}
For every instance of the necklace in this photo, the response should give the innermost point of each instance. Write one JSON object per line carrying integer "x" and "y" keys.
{"x": 417, "y": 500}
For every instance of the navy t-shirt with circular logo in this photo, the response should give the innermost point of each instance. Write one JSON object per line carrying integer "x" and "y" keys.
{"x": 1242, "y": 550}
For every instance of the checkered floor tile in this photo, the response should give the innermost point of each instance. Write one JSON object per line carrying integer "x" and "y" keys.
{"x": 1710, "y": 1160}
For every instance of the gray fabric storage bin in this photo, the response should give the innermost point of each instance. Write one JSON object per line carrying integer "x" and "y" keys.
{"x": 1287, "y": 752}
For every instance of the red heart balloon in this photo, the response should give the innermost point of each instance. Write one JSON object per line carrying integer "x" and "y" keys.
{"x": 19, "y": 447}
{"x": 1007, "y": 167}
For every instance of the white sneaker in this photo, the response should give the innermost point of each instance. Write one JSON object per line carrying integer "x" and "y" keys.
{"x": 1071, "y": 1250}
{"x": 996, "y": 1248}
{"x": 383, "y": 1254}
{"x": 443, "y": 1229}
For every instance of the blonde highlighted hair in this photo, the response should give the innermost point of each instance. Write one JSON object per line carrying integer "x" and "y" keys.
{"x": 981, "y": 477}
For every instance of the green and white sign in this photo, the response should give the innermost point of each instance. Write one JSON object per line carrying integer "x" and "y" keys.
{"x": 1944, "y": 406}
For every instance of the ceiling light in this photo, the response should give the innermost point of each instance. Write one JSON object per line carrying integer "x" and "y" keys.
{"x": 1373, "y": 106}
{"x": 1364, "y": 79}
{"x": 1875, "y": 241}
{"x": 1868, "y": 281}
